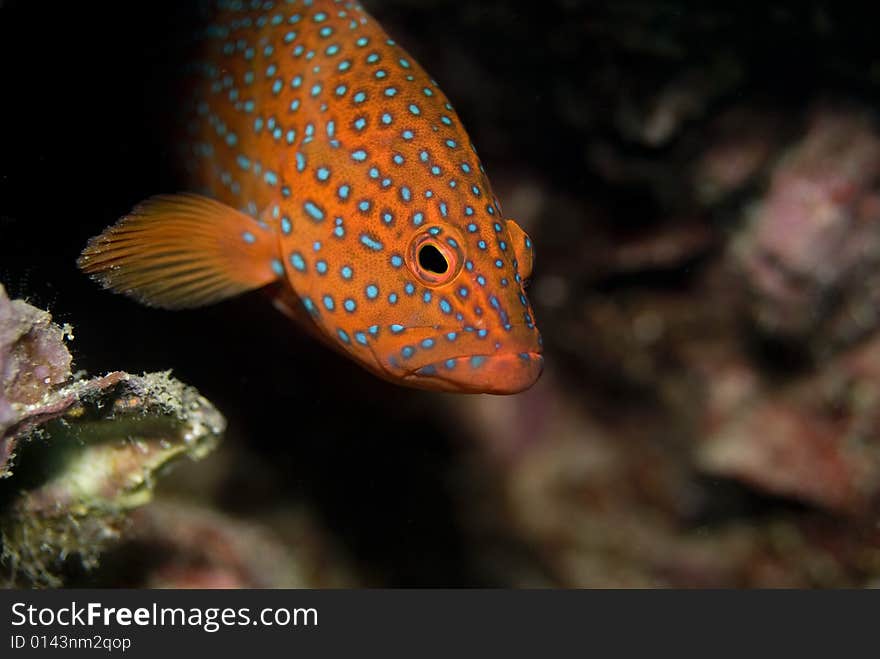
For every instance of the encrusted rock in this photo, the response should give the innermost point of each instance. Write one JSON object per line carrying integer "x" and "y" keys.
{"x": 80, "y": 453}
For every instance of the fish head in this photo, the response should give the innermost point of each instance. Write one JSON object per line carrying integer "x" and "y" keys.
{"x": 453, "y": 315}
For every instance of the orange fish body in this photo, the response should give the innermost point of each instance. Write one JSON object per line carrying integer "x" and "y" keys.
{"x": 336, "y": 165}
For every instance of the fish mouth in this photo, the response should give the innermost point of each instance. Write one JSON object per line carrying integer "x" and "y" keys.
{"x": 499, "y": 373}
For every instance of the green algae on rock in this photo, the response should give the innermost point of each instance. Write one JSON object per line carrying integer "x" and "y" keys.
{"x": 79, "y": 453}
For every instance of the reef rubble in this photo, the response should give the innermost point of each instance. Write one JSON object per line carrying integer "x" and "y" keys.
{"x": 77, "y": 454}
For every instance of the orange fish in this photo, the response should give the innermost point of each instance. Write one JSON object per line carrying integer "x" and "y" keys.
{"x": 335, "y": 168}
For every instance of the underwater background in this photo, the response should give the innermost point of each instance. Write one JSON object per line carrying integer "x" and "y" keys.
{"x": 701, "y": 186}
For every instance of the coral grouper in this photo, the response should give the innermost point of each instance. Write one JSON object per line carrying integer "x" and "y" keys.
{"x": 334, "y": 167}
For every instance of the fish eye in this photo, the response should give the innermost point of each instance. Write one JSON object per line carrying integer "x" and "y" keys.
{"x": 434, "y": 257}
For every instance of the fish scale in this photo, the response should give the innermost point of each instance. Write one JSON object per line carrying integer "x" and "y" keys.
{"x": 346, "y": 174}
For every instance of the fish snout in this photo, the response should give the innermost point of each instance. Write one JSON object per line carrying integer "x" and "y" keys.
{"x": 498, "y": 373}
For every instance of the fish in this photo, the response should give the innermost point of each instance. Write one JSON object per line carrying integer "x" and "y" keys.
{"x": 328, "y": 168}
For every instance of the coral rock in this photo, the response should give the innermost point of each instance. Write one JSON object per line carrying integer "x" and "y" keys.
{"x": 84, "y": 451}
{"x": 812, "y": 251}
{"x": 815, "y": 440}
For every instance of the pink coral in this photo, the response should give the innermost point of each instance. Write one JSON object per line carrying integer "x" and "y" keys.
{"x": 818, "y": 230}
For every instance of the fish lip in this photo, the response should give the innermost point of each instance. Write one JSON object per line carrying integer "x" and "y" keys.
{"x": 501, "y": 373}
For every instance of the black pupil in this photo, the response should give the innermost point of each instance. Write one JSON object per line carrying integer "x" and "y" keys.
{"x": 432, "y": 260}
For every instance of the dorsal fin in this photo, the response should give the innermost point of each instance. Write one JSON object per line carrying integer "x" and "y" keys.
{"x": 183, "y": 250}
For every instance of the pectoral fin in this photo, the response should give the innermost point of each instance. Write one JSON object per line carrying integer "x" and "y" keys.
{"x": 522, "y": 249}
{"x": 184, "y": 250}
